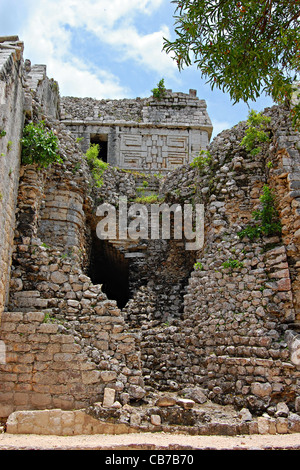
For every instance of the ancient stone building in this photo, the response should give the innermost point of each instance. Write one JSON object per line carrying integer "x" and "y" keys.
{"x": 118, "y": 335}
{"x": 147, "y": 135}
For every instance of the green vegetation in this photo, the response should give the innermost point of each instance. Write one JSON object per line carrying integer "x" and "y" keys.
{"x": 266, "y": 221}
{"x": 2, "y": 133}
{"x": 202, "y": 160}
{"x": 44, "y": 245}
{"x": 76, "y": 167}
{"x": 198, "y": 266}
{"x": 153, "y": 199}
{"x": 39, "y": 145}
{"x": 97, "y": 166}
{"x": 48, "y": 318}
{"x": 133, "y": 172}
{"x": 160, "y": 91}
{"x": 256, "y": 132}
{"x": 243, "y": 47}
{"x": 232, "y": 264}
{"x": 158, "y": 175}
{"x": 54, "y": 85}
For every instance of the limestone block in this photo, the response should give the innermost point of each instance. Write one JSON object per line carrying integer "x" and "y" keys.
{"x": 294, "y": 422}
{"x": 282, "y": 425}
{"x": 261, "y": 389}
{"x": 166, "y": 401}
{"x": 186, "y": 403}
{"x": 282, "y": 410}
{"x": 108, "y": 375}
{"x": 295, "y": 353}
{"x": 90, "y": 377}
{"x": 135, "y": 419}
{"x": 73, "y": 303}
{"x": 155, "y": 420}
{"x": 126, "y": 348}
{"x": 49, "y": 328}
{"x": 245, "y": 415}
{"x": 55, "y": 422}
{"x": 58, "y": 277}
{"x": 20, "y": 422}
{"x": 109, "y": 397}
{"x": 263, "y": 425}
{"x": 136, "y": 392}
{"x": 26, "y": 328}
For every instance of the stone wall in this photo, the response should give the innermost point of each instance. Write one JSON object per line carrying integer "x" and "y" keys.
{"x": 49, "y": 285}
{"x": 234, "y": 332}
{"x": 44, "y": 91}
{"x": 147, "y": 134}
{"x": 20, "y": 89}
{"x": 62, "y": 423}
{"x": 284, "y": 177}
{"x": 238, "y": 324}
{"x": 11, "y": 125}
{"x": 36, "y": 376}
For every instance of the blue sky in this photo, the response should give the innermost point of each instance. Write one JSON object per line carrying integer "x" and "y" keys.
{"x": 111, "y": 49}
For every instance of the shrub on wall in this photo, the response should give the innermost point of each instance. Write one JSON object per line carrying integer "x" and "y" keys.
{"x": 256, "y": 132}
{"x": 202, "y": 160}
{"x": 97, "y": 166}
{"x": 159, "y": 91}
{"x": 266, "y": 221}
{"x": 39, "y": 145}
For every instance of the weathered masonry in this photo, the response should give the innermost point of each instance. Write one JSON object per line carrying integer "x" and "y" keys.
{"x": 148, "y": 135}
{"x": 91, "y": 330}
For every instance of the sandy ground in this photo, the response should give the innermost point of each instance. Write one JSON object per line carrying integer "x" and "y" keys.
{"x": 149, "y": 441}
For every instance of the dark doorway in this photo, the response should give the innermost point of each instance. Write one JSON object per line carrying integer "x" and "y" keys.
{"x": 102, "y": 141}
{"x": 109, "y": 267}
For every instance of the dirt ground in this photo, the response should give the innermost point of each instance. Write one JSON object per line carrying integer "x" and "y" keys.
{"x": 149, "y": 441}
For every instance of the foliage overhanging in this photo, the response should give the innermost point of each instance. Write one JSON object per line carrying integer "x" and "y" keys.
{"x": 245, "y": 48}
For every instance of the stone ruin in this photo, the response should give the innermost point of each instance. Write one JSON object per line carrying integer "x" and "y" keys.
{"x": 115, "y": 336}
{"x": 146, "y": 135}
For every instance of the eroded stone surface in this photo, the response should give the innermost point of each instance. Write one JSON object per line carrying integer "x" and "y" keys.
{"x": 207, "y": 333}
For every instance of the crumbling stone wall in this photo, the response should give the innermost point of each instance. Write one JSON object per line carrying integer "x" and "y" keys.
{"x": 41, "y": 93}
{"x": 238, "y": 324}
{"x": 284, "y": 178}
{"x": 233, "y": 332}
{"x": 51, "y": 248}
{"x": 11, "y": 125}
{"x": 49, "y": 286}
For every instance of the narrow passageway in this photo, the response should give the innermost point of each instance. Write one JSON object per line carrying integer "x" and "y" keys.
{"x": 102, "y": 141}
{"x": 109, "y": 267}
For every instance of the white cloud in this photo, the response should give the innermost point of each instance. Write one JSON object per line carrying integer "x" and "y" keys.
{"x": 76, "y": 79}
{"x": 219, "y": 126}
{"x": 48, "y": 39}
{"x": 146, "y": 50}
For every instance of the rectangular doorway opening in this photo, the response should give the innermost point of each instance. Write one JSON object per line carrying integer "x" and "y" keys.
{"x": 109, "y": 267}
{"x": 102, "y": 141}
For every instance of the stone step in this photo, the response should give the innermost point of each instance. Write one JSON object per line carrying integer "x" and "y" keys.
{"x": 27, "y": 300}
{"x": 82, "y": 422}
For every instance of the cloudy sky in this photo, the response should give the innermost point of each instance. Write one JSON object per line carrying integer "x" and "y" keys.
{"x": 111, "y": 49}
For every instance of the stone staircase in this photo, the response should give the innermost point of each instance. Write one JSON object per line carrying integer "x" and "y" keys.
{"x": 147, "y": 186}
